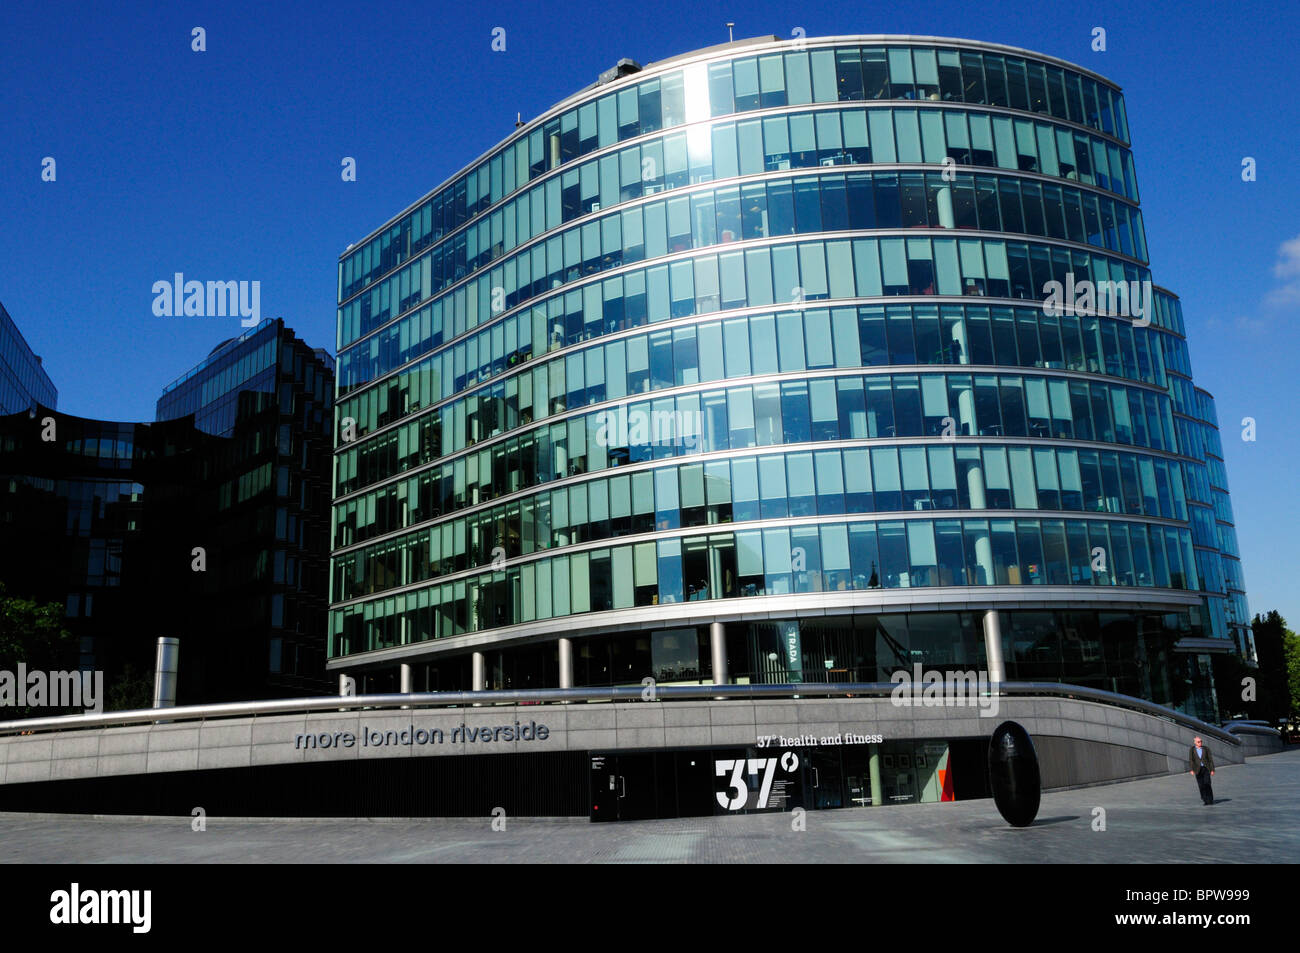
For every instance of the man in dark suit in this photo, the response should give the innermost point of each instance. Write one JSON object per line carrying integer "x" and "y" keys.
{"x": 1201, "y": 764}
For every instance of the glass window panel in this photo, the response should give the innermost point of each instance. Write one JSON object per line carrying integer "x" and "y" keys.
{"x": 776, "y": 560}
{"x": 824, "y": 82}
{"x": 830, "y": 482}
{"x": 888, "y": 487}
{"x": 900, "y": 73}
{"x": 745, "y": 83}
{"x": 818, "y": 330}
{"x": 908, "y": 132}
{"x": 895, "y": 564}
{"x": 800, "y": 486}
{"x": 1024, "y": 490}
{"x": 744, "y": 489}
{"x": 926, "y": 73}
{"x": 894, "y": 258}
{"x": 767, "y": 414}
{"x": 762, "y": 331}
{"x": 790, "y": 328}
{"x": 736, "y": 338}
{"x": 923, "y": 559}
{"x": 864, "y": 555}
{"x": 916, "y": 480}
{"x": 997, "y": 479}
{"x": 934, "y": 149}
{"x": 880, "y": 408}
{"x": 749, "y": 554}
{"x": 721, "y": 97}
{"x": 839, "y": 263}
{"x": 907, "y": 406}
{"x": 943, "y": 478}
{"x": 848, "y": 71}
{"x": 857, "y": 481}
{"x": 882, "y": 135}
{"x": 1030, "y": 544}
{"x": 798, "y": 79}
{"x": 875, "y": 74}
{"x": 981, "y": 139}
{"x": 947, "y": 270}
{"x": 750, "y": 138}
{"x": 1006, "y": 563}
{"x": 866, "y": 267}
{"x": 812, "y": 268}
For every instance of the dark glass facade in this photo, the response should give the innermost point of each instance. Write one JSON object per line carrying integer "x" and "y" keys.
{"x": 100, "y": 518}
{"x": 23, "y": 381}
{"x": 268, "y": 395}
{"x": 762, "y": 329}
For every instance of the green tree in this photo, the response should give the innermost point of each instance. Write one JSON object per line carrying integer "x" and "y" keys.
{"x": 132, "y": 689}
{"x": 33, "y": 634}
{"x": 1274, "y": 698}
{"x": 1291, "y": 650}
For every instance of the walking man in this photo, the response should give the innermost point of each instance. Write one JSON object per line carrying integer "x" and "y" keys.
{"x": 1201, "y": 764}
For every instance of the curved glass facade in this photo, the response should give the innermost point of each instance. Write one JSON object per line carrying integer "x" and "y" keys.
{"x": 777, "y": 316}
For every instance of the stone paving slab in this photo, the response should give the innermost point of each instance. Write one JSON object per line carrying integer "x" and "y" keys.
{"x": 1256, "y": 819}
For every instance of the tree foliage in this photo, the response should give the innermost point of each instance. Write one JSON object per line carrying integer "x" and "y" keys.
{"x": 1276, "y": 680}
{"x": 33, "y": 634}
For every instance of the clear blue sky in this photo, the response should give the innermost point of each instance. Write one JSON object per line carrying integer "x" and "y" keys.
{"x": 225, "y": 165}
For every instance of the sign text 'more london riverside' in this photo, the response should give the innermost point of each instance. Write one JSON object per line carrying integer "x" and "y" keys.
{"x": 410, "y": 735}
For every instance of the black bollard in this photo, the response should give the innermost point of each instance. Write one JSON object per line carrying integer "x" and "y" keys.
{"x": 1013, "y": 773}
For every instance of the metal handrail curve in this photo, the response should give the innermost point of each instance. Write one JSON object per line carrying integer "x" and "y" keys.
{"x": 282, "y": 706}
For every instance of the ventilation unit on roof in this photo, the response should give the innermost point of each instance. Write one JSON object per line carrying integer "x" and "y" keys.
{"x": 622, "y": 68}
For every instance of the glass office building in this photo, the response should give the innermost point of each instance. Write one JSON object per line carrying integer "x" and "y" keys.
{"x": 23, "y": 381}
{"x": 742, "y": 367}
{"x": 270, "y": 395}
{"x": 99, "y": 517}
{"x": 106, "y": 519}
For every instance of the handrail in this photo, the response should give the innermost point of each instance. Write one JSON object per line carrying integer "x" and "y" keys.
{"x": 1239, "y": 728}
{"x": 560, "y": 695}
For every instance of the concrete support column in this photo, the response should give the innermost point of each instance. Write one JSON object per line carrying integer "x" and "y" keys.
{"x": 975, "y": 488}
{"x": 404, "y": 680}
{"x": 566, "y": 663}
{"x": 347, "y": 685}
{"x": 479, "y": 672}
{"x": 962, "y": 353}
{"x": 965, "y": 397}
{"x": 166, "y": 665}
{"x": 944, "y": 205}
{"x": 983, "y": 544}
{"x": 718, "y": 650}
{"x": 877, "y": 789}
{"x": 993, "y": 646}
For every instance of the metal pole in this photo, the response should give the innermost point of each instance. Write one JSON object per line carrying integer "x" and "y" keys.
{"x": 166, "y": 663}
{"x": 718, "y": 650}
{"x": 877, "y": 795}
{"x": 405, "y": 681}
{"x": 566, "y": 663}
{"x": 993, "y": 646}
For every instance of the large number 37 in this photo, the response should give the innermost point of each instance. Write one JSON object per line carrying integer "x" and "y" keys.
{"x": 737, "y": 781}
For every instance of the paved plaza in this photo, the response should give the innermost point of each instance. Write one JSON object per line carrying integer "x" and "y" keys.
{"x": 1255, "y": 819}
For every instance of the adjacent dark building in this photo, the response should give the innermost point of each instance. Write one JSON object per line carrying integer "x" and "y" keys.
{"x": 269, "y": 396}
{"x": 22, "y": 379}
{"x": 100, "y": 517}
{"x": 209, "y": 525}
